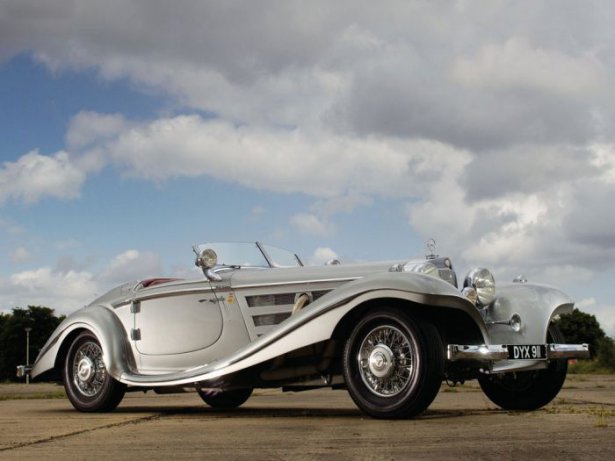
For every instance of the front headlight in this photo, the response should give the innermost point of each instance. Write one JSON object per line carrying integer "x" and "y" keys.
{"x": 425, "y": 267}
{"x": 483, "y": 282}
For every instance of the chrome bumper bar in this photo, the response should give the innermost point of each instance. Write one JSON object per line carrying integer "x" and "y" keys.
{"x": 487, "y": 353}
{"x": 567, "y": 351}
{"x": 483, "y": 353}
{"x": 23, "y": 370}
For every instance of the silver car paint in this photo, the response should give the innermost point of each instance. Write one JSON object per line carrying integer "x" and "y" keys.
{"x": 176, "y": 335}
{"x": 315, "y": 323}
{"x": 102, "y": 321}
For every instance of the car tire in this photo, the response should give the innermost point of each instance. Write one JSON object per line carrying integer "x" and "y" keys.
{"x": 393, "y": 364}
{"x": 527, "y": 390}
{"x": 225, "y": 400}
{"x": 88, "y": 385}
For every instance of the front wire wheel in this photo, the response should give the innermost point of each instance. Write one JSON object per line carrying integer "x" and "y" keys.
{"x": 88, "y": 385}
{"x": 527, "y": 390}
{"x": 393, "y": 364}
{"x": 387, "y": 361}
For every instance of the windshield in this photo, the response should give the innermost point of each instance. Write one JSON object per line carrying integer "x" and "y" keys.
{"x": 252, "y": 254}
{"x": 280, "y": 257}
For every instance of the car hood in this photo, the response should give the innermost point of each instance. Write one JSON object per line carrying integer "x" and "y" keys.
{"x": 246, "y": 278}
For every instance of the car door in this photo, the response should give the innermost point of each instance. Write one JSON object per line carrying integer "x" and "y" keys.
{"x": 177, "y": 322}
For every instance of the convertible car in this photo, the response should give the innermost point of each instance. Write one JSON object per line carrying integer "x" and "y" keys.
{"x": 389, "y": 332}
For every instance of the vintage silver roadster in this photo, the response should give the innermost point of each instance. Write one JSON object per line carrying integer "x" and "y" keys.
{"x": 390, "y": 333}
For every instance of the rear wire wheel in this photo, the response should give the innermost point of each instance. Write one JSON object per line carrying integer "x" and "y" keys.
{"x": 393, "y": 364}
{"x": 88, "y": 385}
{"x": 527, "y": 390}
{"x": 224, "y": 400}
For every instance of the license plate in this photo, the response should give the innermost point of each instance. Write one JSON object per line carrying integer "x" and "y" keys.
{"x": 527, "y": 352}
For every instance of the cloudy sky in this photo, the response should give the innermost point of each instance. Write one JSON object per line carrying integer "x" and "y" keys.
{"x": 133, "y": 129}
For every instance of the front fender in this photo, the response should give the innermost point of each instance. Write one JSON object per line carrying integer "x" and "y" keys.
{"x": 537, "y": 305}
{"x": 101, "y": 321}
{"x": 420, "y": 289}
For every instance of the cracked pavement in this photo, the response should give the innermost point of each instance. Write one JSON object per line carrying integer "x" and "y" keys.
{"x": 461, "y": 424}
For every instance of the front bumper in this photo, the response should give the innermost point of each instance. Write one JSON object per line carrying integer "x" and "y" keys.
{"x": 492, "y": 353}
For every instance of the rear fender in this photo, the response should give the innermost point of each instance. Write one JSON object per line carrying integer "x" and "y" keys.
{"x": 101, "y": 321}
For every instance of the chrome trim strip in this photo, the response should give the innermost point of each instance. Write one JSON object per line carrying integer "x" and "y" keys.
{"x": 567, "y": 351}
{"x": 219, "y": 289}
{"x": 167, "y": 294}
{"x": 481, "y": 352}
{"x": 275, "y": 284}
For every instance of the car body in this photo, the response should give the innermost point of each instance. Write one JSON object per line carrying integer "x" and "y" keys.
{"x": 388, "y": 332}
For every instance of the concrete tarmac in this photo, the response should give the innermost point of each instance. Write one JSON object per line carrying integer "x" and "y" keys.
{"x": 36, "y": 422}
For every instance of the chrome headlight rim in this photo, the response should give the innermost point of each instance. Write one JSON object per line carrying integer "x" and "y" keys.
{"x": 481, "y": 280}
{"x": 207, "y": 259}
{"x": 425, "y": 267}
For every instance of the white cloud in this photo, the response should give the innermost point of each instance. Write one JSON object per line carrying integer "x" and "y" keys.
{"x": 556, "y": 234}
{"x": 320, "y": 163}
{"x": 341, "y": 204}
{"x": 311, "y": 224}
{"x": 67, "y": 244}
{"x": 87, "y": 128}
{"x": 322, "y": 255}
{"x": 526, "y": 169}
{"x": 561, "y": 274}
{"x": 276, "y": 160}
{"x": 10, "y": 227}
{"x": 459, "y": 73}
{"x": 131, "y": 265}
{"x": 603, "y": 158}
{"x": 319, "y": 221}
{"x": 63, "y": 291}
{"x": 499, "y": 215}
{"x": 20, "y": 255}
{"x": 34, "y": 176}
{"x": 494, "y": 123}
{"x": 605, "y": 313}
{"x": 517, "y": 63}
{"x": 68, "y": 287}
{"x": 513, "y": 239}
{"x": 585, "y": 303}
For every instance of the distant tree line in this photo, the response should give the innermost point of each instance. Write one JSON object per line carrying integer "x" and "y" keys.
{"x": 581, "y": 327}
{"x": 41, "y": 320}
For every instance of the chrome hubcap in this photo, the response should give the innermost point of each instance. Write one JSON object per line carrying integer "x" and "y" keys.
{"x": 89, "y": 373}
{"x": 85, "y": 369}
{"x": 387, "y": 361}
{"x": 381, "y": 361}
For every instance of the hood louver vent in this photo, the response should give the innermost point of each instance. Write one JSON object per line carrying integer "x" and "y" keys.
{"x": 271, "y": 300}
{"x": 269, "y": 310}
